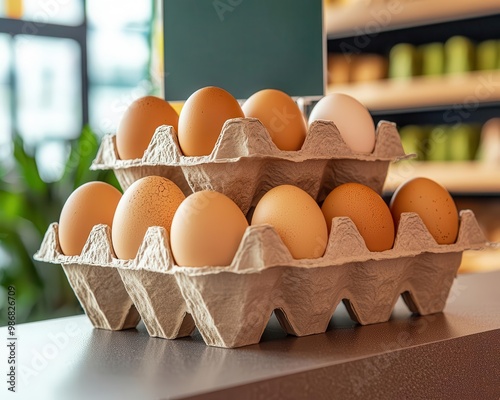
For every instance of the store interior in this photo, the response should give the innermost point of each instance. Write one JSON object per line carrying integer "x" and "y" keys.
{"x": 433, "y": 68}
{"x": 69, "y": 69}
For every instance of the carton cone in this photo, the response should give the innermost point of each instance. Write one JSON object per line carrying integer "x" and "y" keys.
{"x": 99, "y": 290}
{"x": 163, "y": 311}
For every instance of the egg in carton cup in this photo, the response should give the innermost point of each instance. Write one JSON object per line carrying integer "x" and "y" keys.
{"x": 245, "y": 163}
{"x": 231, "y": 305}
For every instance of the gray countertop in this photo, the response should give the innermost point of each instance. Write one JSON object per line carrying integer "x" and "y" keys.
{"x": 455, "y": 354}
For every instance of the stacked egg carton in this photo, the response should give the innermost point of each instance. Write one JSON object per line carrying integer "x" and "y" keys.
{"x": 231, "y": 305}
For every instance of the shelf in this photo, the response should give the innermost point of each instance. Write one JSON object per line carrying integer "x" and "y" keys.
{"x": 359, "y": 18}
{"x": 425, "y": 92}
{"x": 486, "y": 260}
{"x": 445, "y": 355}
{"x": 472, "y": 177}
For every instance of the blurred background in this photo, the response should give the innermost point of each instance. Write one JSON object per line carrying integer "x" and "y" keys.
{"x": 432, "y": 67}
{"x": 69, "y": 69}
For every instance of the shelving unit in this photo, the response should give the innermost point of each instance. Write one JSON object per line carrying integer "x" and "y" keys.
{"x": 359, "y": 29}
{"x": 349, "y": 20}
{"x": 391, "y": 95}
{"x": 473, "y": 178}
{"x": 469, "y": 98}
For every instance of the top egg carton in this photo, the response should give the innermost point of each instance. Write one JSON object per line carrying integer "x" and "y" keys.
{"x": 245, "y": 163}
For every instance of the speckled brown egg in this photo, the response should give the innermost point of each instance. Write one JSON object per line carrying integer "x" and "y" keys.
{"x": 139, "y": 123}
{"x": 432, "y": 203}
{"x": 296, "y": 217}
{"x": 150, "y": 201}
{"x": 366, "y": 209}
{"x": 202, "y": 117}
{"x": 207, "y": 230}
{"x": 91, "y": 204}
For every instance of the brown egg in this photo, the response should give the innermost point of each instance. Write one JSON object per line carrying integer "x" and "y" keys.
{"x": 150, "y": 201}
{"x": 202, "y": 117}
{"x": 280, "y": 115}
{"x": 207, "y": 230}
{"x": 366, "y": 209}
{"x": 297, "y": 219}
{"x": 432, "y": 203}
{"x": 91, "y": 204}
{"x": 139, "y": 123}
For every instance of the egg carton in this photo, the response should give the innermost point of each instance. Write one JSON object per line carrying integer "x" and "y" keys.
{"x": 231, "y": 305}
{"x": 245, "y": 163}
{"x": 95, "y": 287}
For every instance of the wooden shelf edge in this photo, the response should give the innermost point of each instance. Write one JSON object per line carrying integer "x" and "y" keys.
{"x": 425, "y": 92}
{"x": 357, "y": 18}
{"x": 460, "y": 177}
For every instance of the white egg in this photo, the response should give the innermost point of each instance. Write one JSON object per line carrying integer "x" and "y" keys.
{"x": 351, "y": 118}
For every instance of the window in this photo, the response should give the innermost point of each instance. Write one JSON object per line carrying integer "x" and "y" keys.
{"x": 5, "y": 96}
{"x": 63, "y": 12}
{"x": 50, "y": 88}
{"x": 119, "y": 37}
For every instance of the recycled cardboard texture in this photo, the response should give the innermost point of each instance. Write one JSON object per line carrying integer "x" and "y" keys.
{"x": 231, "y": 305}
{"x": 99, "y": 290}
{"x": 245, "y": 163}
{"x": 142, "y": 286}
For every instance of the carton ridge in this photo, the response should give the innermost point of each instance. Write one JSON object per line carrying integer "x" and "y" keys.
{"x": 245, "y": 163}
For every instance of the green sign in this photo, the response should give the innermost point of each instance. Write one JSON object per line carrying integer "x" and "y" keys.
{"x": 243, "y": 46}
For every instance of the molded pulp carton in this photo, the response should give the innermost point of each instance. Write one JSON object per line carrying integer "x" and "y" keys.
{"x": 231, "y": 305}
{"x": 245, "y": 162}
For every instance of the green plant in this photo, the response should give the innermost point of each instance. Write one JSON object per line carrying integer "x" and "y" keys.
{"x": 27, "y": 206}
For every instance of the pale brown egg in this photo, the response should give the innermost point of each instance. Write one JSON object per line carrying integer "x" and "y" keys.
{"x": 207, "y": 230}
{"x": 296, "y": 217}
{"x": 202, "y": 117}
{"x": 366, "y": 209}
{"x": 432, "y": 203}
{"x": 91, "y": 204}
{"x": 139, "y": 123}
{"x": 280, "y": 115}
{"x": 150, "y": 201}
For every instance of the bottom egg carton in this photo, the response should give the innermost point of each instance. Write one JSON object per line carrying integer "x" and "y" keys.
{"x": 231, "y": 305}
{"x": 99, "y": 290}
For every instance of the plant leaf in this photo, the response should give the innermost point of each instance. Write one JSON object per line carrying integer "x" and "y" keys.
{"x": 12, "y": 205}
{"x": 27, "y": 167}
{"x": 83, "y": 152}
